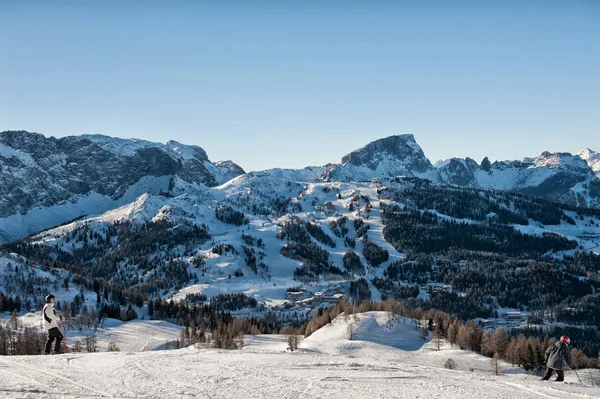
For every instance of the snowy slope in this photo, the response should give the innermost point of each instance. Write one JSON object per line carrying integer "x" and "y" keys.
{"x": 360, "y": 369}
{"x": 268, "y": 202}
{"x": 131, "y": 336}
{"x": 19, "y": 225}
{"x": 32, "y": 283}
{"x": 308, "y": 174}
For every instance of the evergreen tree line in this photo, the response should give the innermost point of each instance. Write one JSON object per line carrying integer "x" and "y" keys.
{"x": 315, "y": 262}
{"x": 352, "y": 262}
{"x": 9, "y": 304}
{"x": 319, "y": 234}
{"x": 24, "y": 280}
{"x": 480, "y": 204}
{"x": 513, "y": 208}
{"x": 415, "y": 231}
{"x": 227, "y": 214}
{"x": 541, "y": 284}
{"x": 294, "y": 230}
{"x": 373, "y": 253}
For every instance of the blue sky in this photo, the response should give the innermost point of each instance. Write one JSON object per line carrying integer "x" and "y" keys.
{"x": 297, "y": 83}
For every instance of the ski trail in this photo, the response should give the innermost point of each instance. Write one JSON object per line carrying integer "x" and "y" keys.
{"x": 537, "y": 392}
{"x": 55, "y": 377}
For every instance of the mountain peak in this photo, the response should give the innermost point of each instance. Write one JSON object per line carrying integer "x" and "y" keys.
{"x": 391, "y": 156}
{"x": 402, "y": 147}
{"x": 397, "y": 146}
{"x": 587, "y": 154}
{"x": 592, "y": 158}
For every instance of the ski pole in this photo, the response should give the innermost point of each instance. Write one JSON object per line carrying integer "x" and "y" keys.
{"x": 578, "y": 376}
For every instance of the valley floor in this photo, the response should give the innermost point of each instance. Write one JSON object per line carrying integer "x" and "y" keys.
{"x": 392, "y": 364}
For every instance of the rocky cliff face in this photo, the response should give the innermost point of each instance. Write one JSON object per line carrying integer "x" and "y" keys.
{"x": 38, "y": 171}
{"x": 391, "y": 156}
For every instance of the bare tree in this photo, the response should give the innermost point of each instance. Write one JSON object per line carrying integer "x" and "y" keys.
{"x": 90, "y": 343}
{"x": 453, "y": 333}
{"x": 77, "y": 346}
{"x": 438, "y": 333}
{"x": 112, "y": 347}
{"x": 496, "y": 364}
{"x": 241, "y": 339}
{"x": 291, "y": 337}
{"x": 350, "y": 330}
{"x": 14, "y": 322}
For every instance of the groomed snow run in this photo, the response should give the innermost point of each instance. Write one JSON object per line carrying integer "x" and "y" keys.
{"x": 385, "y": 359}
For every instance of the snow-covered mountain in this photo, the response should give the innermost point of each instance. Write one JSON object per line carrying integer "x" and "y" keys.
{"x": 46, "y": 181}
{"x": 562, "y": 177}
{"x": 592, "y": 158}
{"x": 556, "y": 176}
{"x": 391, "y": 156}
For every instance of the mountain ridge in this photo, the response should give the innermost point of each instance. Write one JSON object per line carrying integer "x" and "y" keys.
{"x": 41, "y": 175}
{"x": 47, "y": 181}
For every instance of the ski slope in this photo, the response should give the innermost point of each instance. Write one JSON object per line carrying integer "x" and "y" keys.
{"x": 383, "y": 360}
{"x": 131, "y": 336}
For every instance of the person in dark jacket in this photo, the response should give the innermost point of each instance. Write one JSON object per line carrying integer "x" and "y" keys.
{"x": 51, "y": 320}
{"x": 555, "y": 356}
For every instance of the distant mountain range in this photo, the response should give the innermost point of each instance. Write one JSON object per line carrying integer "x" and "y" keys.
{"x": 45, "y": 181}
{"x": 559, "y": 177}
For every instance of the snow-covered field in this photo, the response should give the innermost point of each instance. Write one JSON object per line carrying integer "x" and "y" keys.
{"x": 383, "y": 360}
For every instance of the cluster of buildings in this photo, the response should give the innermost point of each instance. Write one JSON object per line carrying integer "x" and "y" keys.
{"x": 304, "y": 298}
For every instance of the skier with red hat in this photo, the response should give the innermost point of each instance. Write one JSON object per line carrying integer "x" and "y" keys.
{"x": 555, "y": 356}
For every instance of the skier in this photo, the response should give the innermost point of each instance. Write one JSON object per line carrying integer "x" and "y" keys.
{"x": 51, "y": 319}
{"x": 555, "y": 356}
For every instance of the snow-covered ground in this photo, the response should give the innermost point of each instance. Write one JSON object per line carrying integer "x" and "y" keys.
{"x": 383, "y": 360}
{"x": 131, "y": 336}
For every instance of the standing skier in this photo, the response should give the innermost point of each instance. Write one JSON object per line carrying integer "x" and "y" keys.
{"x": 555, "y": 356}
{"x": 51, "y": 320}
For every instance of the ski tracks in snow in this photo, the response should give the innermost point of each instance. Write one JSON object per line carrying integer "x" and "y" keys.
{"x": 46, "y": 378}
{"x": 216, "y": 374}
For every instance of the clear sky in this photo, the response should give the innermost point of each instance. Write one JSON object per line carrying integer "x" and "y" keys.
{"x": 297, "y": 83}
